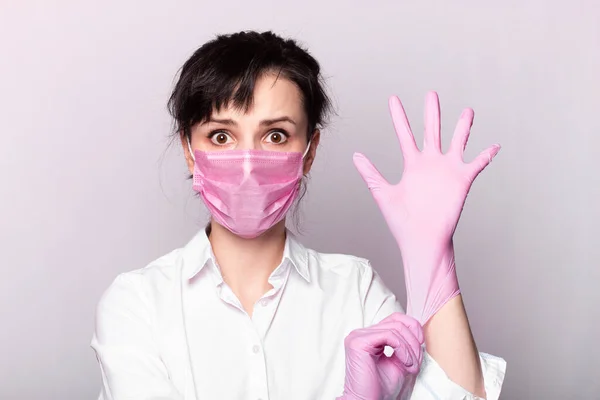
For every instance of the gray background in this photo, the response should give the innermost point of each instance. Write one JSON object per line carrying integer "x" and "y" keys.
{"x": 90, "y": 188}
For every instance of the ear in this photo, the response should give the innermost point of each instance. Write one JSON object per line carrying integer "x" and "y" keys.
{"x": 186, "y": 152}
{"x": 312, "y": 152}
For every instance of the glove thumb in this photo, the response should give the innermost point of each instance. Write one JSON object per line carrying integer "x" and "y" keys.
{"x": 369, "y": 173}
{"x": 483, "y": 160}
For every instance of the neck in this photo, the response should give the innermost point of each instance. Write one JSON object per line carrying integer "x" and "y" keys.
{"x": 246, "y": 264}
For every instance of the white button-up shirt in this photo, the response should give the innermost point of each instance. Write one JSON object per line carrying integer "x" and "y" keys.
{"x": 174, "y": 330}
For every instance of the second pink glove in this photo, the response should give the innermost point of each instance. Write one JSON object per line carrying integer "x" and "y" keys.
{"x": 370, "y": 374}
{"x": 423, "y": 209}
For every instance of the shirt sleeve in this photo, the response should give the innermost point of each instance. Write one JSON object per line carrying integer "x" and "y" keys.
{"x": 432, "y": 382}
{"x": 123, "y": 342}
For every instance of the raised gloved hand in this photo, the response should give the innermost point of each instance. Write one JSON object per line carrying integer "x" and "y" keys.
{"x": 423, "y": 209}
{"x": 370, "y": 374}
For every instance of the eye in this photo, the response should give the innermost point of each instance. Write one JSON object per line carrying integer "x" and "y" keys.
{"x": 220, "y": 138}
{"x": 277, "y": 137}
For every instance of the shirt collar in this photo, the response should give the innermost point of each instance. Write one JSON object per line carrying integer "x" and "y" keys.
{"x": 198, "y": 252}
{"x": 297, "y": 254}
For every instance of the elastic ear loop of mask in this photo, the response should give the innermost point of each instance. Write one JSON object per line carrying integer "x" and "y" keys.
{"x": 306, "y": 151}
{"x": 194, "y": 157}
{"x": 190, "y": 149}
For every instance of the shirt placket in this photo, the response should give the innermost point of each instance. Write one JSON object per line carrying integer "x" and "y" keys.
{"x": 258, "y": 381}
{"x": 265, "y": 308}
{"x": 262, "y": 317}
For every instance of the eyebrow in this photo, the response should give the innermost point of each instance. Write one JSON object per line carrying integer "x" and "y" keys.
{"x": 264, "y": 122}
{"x": 222, "y": 121}
{"x": 268, "y": 122}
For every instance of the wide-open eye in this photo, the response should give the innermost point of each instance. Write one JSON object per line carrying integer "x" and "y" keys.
{"x": 276, "y": 137}
{"x": 220, "y": 138}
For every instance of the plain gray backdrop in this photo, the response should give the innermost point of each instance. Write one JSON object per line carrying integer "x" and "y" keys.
{"x": 90, "y": 187}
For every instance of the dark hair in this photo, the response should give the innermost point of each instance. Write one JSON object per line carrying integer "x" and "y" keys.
{"x": 225, "y": 70}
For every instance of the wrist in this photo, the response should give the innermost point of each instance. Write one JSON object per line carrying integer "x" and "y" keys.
{"x": 433, "y": 263}
{"x": 431, "y": 281}
{"x": 426, "y": 249}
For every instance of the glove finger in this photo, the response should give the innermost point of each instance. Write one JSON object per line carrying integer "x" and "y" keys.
{"x": 408, "y": 358}
{"x": 402, "y": 127}
{"x": 483, "y": 160}
{"x": 462, "y": 132}
{"x": 433, "y": 136}
{"x": 409, "y": 350}
{"x": 373, "y": 340}
{"x": 407, "y": 355}
{"x": 403, "y": 331}
{"x": 369, "y": 172}
{"x": 410, "y": 322}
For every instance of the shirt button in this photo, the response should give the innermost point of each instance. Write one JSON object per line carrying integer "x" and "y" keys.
{"x": 256, "y": 349}
{"x": 263, "y": 303}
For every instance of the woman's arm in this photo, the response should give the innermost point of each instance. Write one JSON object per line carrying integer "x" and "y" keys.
{"x": 450, "y": 343}
{"x": 129, "y": 360}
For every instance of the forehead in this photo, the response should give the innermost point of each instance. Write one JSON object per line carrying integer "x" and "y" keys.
{"x": 273, "y": 97}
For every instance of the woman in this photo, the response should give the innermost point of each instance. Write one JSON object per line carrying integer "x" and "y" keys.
{"x": 244, "y": 311}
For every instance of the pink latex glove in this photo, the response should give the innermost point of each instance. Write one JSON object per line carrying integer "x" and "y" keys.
{"x": 370, "y": 374}
{"x": 423, "y": 209}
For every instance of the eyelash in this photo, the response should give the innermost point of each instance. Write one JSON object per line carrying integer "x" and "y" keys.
{"x": 219, "y": 131}
{"x": 282, "y": 131}
{"x": 212, "y": 134}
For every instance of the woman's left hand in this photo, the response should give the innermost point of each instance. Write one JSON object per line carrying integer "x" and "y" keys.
{"x": 370, "y": 374}
{"x": 423, "y": 209}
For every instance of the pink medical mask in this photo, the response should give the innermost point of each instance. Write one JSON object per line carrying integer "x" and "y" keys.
{"x": 248, "y": 191}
